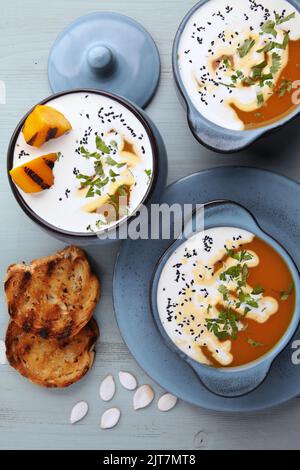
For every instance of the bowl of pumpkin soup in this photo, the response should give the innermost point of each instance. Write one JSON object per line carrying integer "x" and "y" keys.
{"x": 236, "y": 66}
{"x": 81, "y": 164}
{"x": 227, "y": 299}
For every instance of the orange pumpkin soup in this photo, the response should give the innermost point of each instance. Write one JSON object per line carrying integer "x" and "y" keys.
{"x": 273, "y": 276}
{"x": 225, "y": 297}
{"x": 241, "y": 68}
{"x": 280, "y": 102}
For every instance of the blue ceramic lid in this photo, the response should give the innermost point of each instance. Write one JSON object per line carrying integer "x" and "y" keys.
{"x": 106, "y": 51}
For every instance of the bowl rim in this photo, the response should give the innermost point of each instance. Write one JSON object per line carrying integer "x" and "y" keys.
{"x": 139, "y": 114}
{"x": 270, "y": 356}
{"x": 248, "y": 136}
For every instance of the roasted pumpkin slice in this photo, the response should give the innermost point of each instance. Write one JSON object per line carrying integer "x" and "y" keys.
{"x": 35, "y": 175}
{"x": 44, "y": 123}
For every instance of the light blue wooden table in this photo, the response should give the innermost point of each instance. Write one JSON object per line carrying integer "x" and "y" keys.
{"x": 34, "y": 418}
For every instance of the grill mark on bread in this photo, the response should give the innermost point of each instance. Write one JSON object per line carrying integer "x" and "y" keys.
{"x": 66, "y": 332}
{"x": 51, "y": 266}
{"x": 18, "y": 297}
{"x": 47, "y": 362}
{"x": 25, "y": 280}
{"x": 55, "y": 309}
{"x": 27, "y": 325}
{"x": 44, "y": 333}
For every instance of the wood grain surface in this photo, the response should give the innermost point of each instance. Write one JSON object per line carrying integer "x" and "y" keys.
{"x": 33, "y": 418}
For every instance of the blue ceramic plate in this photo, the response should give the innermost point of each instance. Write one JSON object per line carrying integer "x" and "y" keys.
{"x": 233, "y": 381}
{"x": 278, "y": 214}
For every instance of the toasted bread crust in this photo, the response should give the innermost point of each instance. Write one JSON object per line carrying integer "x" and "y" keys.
{"x": 54, "y": 296}
{"x": 49, "y": 362}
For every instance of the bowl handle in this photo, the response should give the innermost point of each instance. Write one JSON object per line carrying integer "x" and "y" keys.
{"x": 232, "y": 383}
{"x": 218, "y": 138}
{"x": 228, "y": 213}
{"x": 221, "y": 213}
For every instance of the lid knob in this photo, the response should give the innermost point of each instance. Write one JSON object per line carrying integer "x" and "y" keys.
{"x": 100, "y": 59}
{"x": 109, "y": 52}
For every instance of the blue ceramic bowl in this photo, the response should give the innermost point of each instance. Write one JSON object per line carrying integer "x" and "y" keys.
{"x": 155, "y": 189}
{"x": 216, "y": 138}
{"x": 231, "y": 381}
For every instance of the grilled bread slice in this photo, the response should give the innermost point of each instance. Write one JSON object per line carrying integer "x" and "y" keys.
{"x": 53, "y": 297}
{"x": 51, "y": 362}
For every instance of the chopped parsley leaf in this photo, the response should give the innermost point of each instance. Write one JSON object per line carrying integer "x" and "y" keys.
{"x": 284, "y": 19}
{"x": 113, "y": 174}
{"x": 276, "y": 63}
{"x": 101, "y": 145}
{"x": 224, "y": 291}
{"x": 246, "y": 47}
{"x": 260, "y": 99}
{"x": 110, "y": 161}
{"x": 284, "y": 295}
{"x": 258, "y": 290}
{"x": 269, "y": 28}
{"x": 286, "y": 86}
{"x": 254, "y": 343}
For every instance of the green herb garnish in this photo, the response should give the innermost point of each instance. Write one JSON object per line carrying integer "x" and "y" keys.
{"x": 123, "y": 190}
{"x": 273, "y": 44}
{"x": 260, "y": 99}
{"x": 237, "y": 76}
{"x": 224, "y": 326}
{"x": 112, "y": 174}
{"x": 248, "y": 81}
{"x": 276, "y": 63}
{"x": 268, "y": 47}
{"x": 284, "y": 295}
{"x": 224, "y": 291}
{"x": 246, "y": 298}
{"x": 226, "y": 62}
{"x": 246, "y": 47}
{"x": 285, "y": 41}
{"x": 246, "y": 311}
{"x": 265, "y": 79}
{"x": 228, "y": 85}
{"x": 244, "y": 273}
{"x": 269, "y": 28}
{"x": 99, "y": 168}
{"x": 233, "y": 272}
{"x": 257, "y": 70}
{"x": 148, "y": 173}
{"x": 254, "y": 343}
{"x": 245, "y": 256}
{"x": 286, "y": 86}
{"x": 101, "y": 145}
{"x": 95, "y": 184}
{"x": 110, "y": 161}
{"x": 258, "y": 290}
{"x": 284, "y": 19}
{"x": 87, "y": 154}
